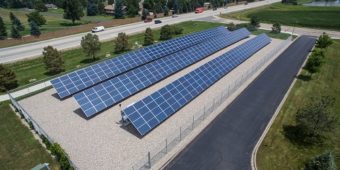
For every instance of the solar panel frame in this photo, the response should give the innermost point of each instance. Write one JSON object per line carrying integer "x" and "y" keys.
{"x": 125, "y": 85}
{"x": 78, "y": 80}
{"x": 177, "y": 94}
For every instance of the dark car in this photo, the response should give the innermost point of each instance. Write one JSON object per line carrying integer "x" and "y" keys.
{"x": 158, "y": 21}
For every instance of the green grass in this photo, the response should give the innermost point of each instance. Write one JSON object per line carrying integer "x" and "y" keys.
{"x": 276, "y": 151}
{"x": 298, "y": 15}
{"x": 54, "y": 18}
{"x": 76, "y": 58}
{"x": 18, "y": 148}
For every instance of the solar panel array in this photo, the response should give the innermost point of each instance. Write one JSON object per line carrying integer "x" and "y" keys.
{"x": 108, "y": 93}
{"x": 76, "y": 81}
{"x": 154, "y": 109}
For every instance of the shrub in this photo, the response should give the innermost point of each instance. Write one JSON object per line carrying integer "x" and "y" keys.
{"x": 166, "y": 33}
{"x": 276, "y": 28}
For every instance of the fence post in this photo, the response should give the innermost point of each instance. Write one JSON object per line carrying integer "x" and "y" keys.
{"x": 180, "y": 133}
{"x": 166, "y": 145}
{"x": 149, "y": 159}
{"x": 193, "y": 121}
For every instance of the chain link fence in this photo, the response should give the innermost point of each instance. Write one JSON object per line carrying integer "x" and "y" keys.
{"x": 172, "y": 140}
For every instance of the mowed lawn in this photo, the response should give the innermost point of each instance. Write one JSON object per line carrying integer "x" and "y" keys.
{"x": 294, "y": 15}
{"x": 276, "y": 151}
{"x": 77, "y": 58}
{"x": 18, "y": 148}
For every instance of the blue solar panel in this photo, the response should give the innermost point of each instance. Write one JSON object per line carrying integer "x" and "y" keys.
{"x": 118, "y": 88}
{"x": 76, "y": 81}
{"x": 149, "y": 112}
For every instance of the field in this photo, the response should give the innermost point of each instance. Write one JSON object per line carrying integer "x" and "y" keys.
{"x": 76, "y": 58}
{"x": 18, "y": 148}
{"x": 276, "y": 151}
{"x": 294, "y": 15}
{"x": 56, "y": 26}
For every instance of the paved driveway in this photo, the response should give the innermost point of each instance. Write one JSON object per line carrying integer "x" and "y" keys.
{"x": 227, "y": 143}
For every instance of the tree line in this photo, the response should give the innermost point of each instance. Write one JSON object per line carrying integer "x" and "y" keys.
{"x": 54, "y": 62}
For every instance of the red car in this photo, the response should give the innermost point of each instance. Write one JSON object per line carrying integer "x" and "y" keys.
{"x": 199, "y": 10}
{"x": 148, "y": 20}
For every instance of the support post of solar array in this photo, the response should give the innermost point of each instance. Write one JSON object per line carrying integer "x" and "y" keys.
{"x": 166, "y": 145}
{"x": 149, "y": 159}
{"x": 193, "y": 121}
{"x": 180, "y": 133}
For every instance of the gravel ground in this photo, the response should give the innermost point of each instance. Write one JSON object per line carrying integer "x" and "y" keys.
{"x": 100, "y": 142}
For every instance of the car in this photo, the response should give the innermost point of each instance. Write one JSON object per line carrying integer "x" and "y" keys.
{"x": 148, "y": 20}
{"x": 158, "y": 21}
{"x": 98, "y": 29}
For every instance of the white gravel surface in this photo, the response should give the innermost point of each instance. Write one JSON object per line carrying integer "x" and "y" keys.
{"x": 100, "y": 142}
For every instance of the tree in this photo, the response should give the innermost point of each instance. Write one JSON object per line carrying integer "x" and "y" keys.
{"x": 92, "y": 9}
{"x": 35, "y": 30}
{"x": 7, "y": 79}
{"x": 40, "y": 6}
{"x": 110, "y": 2}
{"x": 101, "y": 8}
{"x": 276, "y": 28}
{"x": 165, "y": 33}
{"x": 16, "y": 22}
{"x": 315, "y": 119}
{"x": 322, "y": 162}
{"x": 145, "y": 14}
{"x": 52, "y": 60}
{"x": 314, "y": 63}
{"x": 255, "y": 21}
{"x": 36, "y": 17}
{"x": 148, "y": 37}
{"x": 73, "y": 10}
{"x": 15, "y": 33}
{"x": 3, "y": 31}
{"x": 119, "y": 9}
{"x": 91, "y": 45}
{"x": 324, "y": 41}
{"x": 121, "y": 43}
{"x": 232, "y": 27}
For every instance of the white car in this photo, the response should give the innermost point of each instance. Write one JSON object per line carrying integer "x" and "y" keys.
{"x": 98, "y": 29}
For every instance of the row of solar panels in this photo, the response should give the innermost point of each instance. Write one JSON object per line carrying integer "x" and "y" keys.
{"x": 149, "y": 112}
{"x": 125, "y": 81}
{"x": 109, "y": 93}
{"x": 79, "y": 80}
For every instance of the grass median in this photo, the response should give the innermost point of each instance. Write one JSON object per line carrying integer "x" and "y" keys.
{"x": 276, "y": 151}
{"x": 293, "y": 15}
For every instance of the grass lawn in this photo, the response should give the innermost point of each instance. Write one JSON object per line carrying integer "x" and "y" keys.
{"x": 76, "y": 58}
{"x": 18, "y": 148}
{"x": 54, "y": 18}
{"x": 276, "y": 151}
{"x": 282, "y": 36}
{"x": 298, "y": 15}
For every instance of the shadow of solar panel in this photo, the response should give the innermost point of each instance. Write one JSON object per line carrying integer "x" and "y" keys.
{"x": 79, "y": 80}
{"x": 149, "y": 112}
{"x": 118, "y": 88}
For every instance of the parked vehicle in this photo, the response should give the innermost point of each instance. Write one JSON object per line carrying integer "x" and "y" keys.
{"x": 148, "y": 20}
{"x": 158, "y": 21}
{"x": 98, "y": 29}
{"x": 199, "y": 10}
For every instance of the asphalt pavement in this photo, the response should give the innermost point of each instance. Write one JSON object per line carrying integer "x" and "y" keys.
{"x": 228, "y": 141}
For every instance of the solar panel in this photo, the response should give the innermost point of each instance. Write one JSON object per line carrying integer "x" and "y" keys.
{"x": 76, "y": 81}
{"x": 149, "y": 112}
{"x": 110, "y": 92}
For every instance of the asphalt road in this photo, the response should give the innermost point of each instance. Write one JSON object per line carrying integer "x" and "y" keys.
{"x": 30, "y": 50}
{"x": 228, "y": 141}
